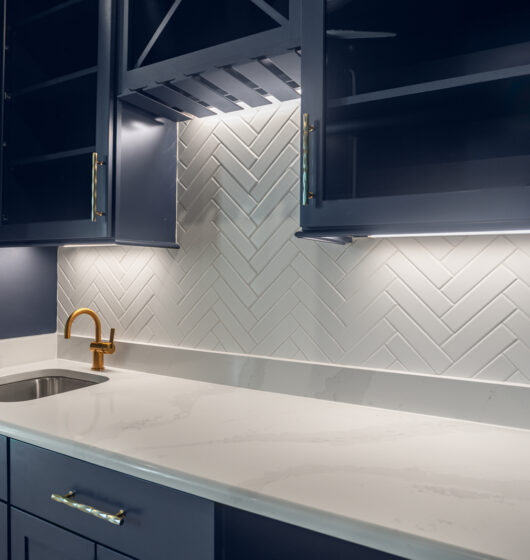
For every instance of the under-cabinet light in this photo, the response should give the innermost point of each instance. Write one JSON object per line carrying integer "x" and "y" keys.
{"x": 78, "y": 245}
{"x": 453, "y": 233}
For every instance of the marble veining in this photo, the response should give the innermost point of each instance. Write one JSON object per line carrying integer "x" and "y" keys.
{"x": 416, "y": 485}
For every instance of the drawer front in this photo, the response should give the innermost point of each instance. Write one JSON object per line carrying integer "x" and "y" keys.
{"x": 159, "y": 522}
{"x": 33, "y": 539}
{"x": 106, "y": 554}
{"x": 3, "y": 531}
{"x": 3, "y": 468}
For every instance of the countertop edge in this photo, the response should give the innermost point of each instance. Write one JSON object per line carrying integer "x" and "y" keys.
{"x": 409, "y": 546}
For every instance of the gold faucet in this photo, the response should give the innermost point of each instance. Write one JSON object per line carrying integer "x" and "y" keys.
{"x": 98, "y": 348}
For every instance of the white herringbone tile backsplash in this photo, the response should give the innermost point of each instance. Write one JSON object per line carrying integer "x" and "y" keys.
{"x": 243, "y": 283}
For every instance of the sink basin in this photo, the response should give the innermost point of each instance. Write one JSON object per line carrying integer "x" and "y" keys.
{"x": 44, "y": 383}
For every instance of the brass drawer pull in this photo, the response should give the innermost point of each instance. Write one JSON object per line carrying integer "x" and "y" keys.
{"x": 116, "y": 519}
{"x": 307, "y": 195}
{"x": 95, "y": 164}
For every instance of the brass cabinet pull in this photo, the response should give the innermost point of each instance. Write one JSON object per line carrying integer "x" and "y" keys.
{"x": 116, "y": 519}
{"x": 95, "y": 164}
{"x": 307, "y": 195}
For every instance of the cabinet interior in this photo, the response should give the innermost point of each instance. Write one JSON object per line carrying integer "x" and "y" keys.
{"x": 427, "y": 99}
{"x": 191, "y": 26}
{"x": 50, "y": 110}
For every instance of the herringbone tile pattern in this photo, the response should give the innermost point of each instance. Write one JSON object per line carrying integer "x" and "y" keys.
{"x": 243, "y": 283}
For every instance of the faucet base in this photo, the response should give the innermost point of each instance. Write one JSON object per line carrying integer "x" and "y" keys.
{"x": 97, "y": 361}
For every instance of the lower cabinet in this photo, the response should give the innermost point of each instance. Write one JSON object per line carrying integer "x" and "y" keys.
{"x": 247, "y": 536}
{"x": 82, "y": 520}
{"x": 158, "y": 522}
{"x": 3, "y": 468}
{"x": 3, "y": 531}
{"x": 33, "y": 539}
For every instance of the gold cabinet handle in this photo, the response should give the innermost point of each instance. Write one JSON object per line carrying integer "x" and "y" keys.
{"x": 307, "y": 195}
{"x": 116, "y": 519}
{"x": 95, "y": 164}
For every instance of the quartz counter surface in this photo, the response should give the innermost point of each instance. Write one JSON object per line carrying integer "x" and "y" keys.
{"x": 415, "y": 485}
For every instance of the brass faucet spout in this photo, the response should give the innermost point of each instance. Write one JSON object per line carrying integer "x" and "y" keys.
{"x": 98, "y": 348}
{"x": 73, "y": 317}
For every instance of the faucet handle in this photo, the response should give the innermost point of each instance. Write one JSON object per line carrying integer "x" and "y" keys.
{"x": 108, "y": 347}
{"x": 105, "y": 347}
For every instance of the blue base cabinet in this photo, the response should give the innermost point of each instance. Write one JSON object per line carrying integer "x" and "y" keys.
{"x": 249, "y": 536}
{"x": 3, "y": 468}
{"x": 4, "y": 531}
{"x": 159, "y": 523}
{"x": 33, "y": 539}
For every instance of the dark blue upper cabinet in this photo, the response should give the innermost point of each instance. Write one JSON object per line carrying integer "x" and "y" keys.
{"x": 417, "y": 117}
{"x": 103, "y": 553}
{"x": 57, "y": 126}
{"x": 74, "y": 166}
{"x": 182, "y": 59}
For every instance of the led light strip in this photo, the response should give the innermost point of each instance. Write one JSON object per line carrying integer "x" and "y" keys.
{"x": 453, "y": 233}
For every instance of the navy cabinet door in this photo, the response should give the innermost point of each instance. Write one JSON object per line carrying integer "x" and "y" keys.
{"x": 33, "y": 539}
{"x": 3, "y": 531}
{"x": 107, "y": 554}
{"x": 417, "y": 129}
{"x": 3, "y": 468}
{"x": 57, "y": 122}
{"x": 247, "y": 536}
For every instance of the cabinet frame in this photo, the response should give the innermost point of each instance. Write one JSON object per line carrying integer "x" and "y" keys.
{"x": 269, "y": 43}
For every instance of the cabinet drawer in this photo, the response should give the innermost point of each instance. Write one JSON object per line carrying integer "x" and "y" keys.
{"x": 3, "y": 468}
{"x": 159, "y": 522}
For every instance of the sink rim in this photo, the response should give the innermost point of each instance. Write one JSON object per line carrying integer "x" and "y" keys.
{"x": 93, "y": 379}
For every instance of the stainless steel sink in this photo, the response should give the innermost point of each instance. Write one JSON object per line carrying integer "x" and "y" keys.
{"x": 44, "y": 383}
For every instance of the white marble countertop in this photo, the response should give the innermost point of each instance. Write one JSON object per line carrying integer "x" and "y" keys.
{"x": 416, "y": 485}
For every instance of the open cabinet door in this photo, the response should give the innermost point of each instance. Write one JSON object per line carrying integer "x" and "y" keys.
{"x": 414, "y": 123}
{"x": 57, "y": 125}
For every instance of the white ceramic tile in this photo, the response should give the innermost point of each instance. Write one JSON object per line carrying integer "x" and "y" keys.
{"x": 478, "y": 268}
{"x": 479, "y": 326}
{"x": 413, "y": 306}
{"x": 409, "y": 272}
{"x": 483, "y": 292}
{"x": 241, "y": 281}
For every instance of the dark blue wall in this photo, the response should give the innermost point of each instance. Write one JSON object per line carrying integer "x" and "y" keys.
{"x": 28, "y": 291}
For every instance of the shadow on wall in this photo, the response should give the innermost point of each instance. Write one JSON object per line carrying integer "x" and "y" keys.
{"x": 28, "y": 291}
